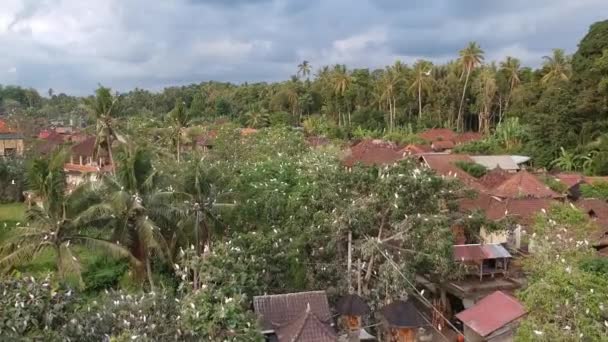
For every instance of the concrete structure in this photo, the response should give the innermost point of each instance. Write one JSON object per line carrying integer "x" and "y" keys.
{"x": 11, "y": 141}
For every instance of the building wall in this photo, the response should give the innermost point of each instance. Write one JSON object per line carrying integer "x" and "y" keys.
{"x": 471, "y": 336}
{"x": 496, "y": 237}
{"x": 16, "y": 144}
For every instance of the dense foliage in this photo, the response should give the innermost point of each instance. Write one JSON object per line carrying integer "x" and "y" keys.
{"x": 567, "y": 291}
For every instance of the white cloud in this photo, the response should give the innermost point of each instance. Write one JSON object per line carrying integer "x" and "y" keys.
{"x": 12, "y": 70}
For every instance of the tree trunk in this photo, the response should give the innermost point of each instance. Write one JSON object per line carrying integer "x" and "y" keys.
{"x": 109, "y": 146}
{"x": 459, "y": 121}
{"x": 419, "y": 101}
{"x": 149, "y": 272}
{"x": 178, "y": 143}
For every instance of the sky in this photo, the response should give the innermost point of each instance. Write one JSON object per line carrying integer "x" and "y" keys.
{"x": 74, "y": 45}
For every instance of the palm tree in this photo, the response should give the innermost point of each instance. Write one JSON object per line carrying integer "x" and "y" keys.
{"x": 180, "y": 120}
{"x": 57, "y": 224}
{"x": 257, "y": 117}
{"x": 387, "y": 91}
{"x": 486, "y": 91}
{"x": 202, "y": 184}
{"x": 511, "y": 67}
{"x": 341, "y": 81}
{"x": 557, "y": 66}
{"x": 304, "y": 69}
{"x": 103, "y": 106}
{"x": 470, "y": 57}
{"x": 131, "y": 204}
{"x": 421, "y": 81}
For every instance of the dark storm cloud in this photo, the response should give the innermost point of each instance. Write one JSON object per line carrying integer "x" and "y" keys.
{"x": 71, "y": 45}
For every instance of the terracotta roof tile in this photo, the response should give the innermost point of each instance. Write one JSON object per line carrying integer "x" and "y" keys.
{"x": 5, "y": 129}
{"x": 467, "y": 137}
{"x": 436, "y": 134}
{"x": 570, "y": 179}
{"x": 524, "y": 184}
{"x": 492, "y": 313}
{"x": 445, "y": 165}
{"x": 494, "y": 178}
{"x": 522, "y": 210}
{"x": 373, "y": 152}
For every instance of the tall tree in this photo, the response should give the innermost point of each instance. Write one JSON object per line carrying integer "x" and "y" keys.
{"x": 557, "y": 67}
{"x": 421, "y": 82}
{"x": 103, "y": 106}
{"x": 486, "y": 92}
{"x": 180, "y": 120}
{"x": 304, "y": 69}
{"x": 341, "y": 81}
{"x": 511, "y": 67}
{"x": 470, "y": 57}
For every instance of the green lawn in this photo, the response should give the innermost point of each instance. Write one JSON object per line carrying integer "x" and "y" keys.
{"x": 12, "y": 212}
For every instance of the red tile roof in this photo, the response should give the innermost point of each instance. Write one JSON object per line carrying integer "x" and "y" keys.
{"x": 468, "y": 137}
{"x": 85, "y": 147}
{"x": 522, "y": 210}
{"x": 494, "y": 178}
{"x": 524, "y": 184}
{"x": 444, "y": 165}
{"x": 442, "y": 145}
{"x": 373, "y": 152}
{"x": 570, "y": 179}
{"x": 492, "y": 313}
{"x": 436, "y": 134}
{"x": 592, "y": 180}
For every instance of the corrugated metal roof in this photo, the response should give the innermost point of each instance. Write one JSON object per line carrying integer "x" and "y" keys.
{"x": 479, "y": 252}
{"x": 492, "y": 313}
{"x": 492, "y": 162}
{"x": 520, "y": 159}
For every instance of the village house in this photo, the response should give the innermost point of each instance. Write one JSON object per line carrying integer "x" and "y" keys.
{"x": 84, "y": 164}
{"x": 295, "y": 317}
{"x": 11, "y": 141}
{"x": 494, "y": 318}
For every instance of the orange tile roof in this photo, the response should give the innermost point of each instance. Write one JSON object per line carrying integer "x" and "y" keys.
{"x": 522, "y": 210}
{"x": 444, "y": 165}
{"x": 5, "y": 129}
{"x": 436, "y": 134}
{"x": 524, "y": 184}
{"x": 569, "y": 179}
{"x": 494, "y": 178}
{"x": 468, "y": 137}
{"x": 373, "y": 152}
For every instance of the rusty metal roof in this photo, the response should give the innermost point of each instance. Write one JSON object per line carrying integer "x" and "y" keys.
{"x": 476, "y": 252}
{"x": 492, "y": 313}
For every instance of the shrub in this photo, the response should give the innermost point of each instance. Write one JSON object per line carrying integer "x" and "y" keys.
{"x": 104, "y": 273}
{"x": 473, "y": 169}
{"x": 30, "y": 306}
{"x": 280, "y": 119}
{"x": 555, "y": 185}
{"x": 596, "y": 190}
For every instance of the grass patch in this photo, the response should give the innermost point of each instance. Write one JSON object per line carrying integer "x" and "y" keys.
{"x": 12, "y": 212}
